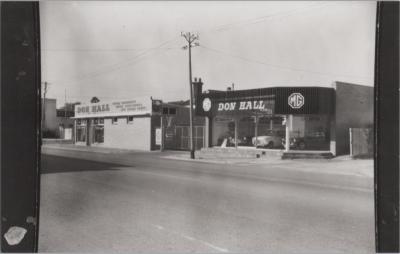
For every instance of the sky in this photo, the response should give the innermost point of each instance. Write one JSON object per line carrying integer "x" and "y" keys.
{"x": 122, "y": 50}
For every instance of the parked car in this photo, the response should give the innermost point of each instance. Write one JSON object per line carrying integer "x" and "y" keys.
{"x": 271, "y": 139}
{"x": 315, "y": 140}
{"x": 295, "y": 143}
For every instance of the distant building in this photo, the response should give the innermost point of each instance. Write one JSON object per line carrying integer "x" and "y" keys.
{"x": 65, "y": 120}
{"x": 57, "y": 123}
{"x": 49, "y": 118}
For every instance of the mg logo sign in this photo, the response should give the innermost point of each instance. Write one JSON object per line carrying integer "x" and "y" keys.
{"x": 296, "y": 100}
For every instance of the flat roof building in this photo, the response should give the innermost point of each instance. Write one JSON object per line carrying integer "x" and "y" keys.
{"x": 139, "y": 124}
{"x": 290, "y": 118}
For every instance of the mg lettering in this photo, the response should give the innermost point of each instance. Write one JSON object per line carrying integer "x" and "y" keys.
{"x": 296, "y": 100}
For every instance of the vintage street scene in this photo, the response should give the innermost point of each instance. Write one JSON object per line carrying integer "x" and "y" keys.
{"x": 207, "y": 127}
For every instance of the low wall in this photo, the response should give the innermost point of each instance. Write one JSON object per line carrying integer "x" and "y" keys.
{"x": 47, "y": 141}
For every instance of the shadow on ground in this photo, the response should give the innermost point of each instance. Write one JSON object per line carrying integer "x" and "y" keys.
{"x": 58, "y": 164}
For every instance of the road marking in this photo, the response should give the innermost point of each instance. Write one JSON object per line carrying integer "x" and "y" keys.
{"x": 212, "y": 246}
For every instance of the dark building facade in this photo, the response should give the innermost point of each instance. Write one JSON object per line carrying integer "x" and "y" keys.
{"x": 306, "y": 118}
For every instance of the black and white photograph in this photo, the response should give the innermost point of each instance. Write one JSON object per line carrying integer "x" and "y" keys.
{"x": 206, "y": 127}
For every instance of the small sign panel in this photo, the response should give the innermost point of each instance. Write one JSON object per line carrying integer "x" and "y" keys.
{"x": 158, "y": 136}
{"x": 206, "y": 104}
{"x": 296, "y": 100}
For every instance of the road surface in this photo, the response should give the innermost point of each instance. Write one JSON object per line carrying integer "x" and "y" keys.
{"x": 139, "y": 202}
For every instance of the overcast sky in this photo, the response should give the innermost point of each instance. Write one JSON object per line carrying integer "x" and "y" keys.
{"x": 122, "y": 50}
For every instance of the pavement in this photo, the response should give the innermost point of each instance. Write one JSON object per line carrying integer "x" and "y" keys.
{"x": 96, "y": 200}
{"x": 341, "y": 165}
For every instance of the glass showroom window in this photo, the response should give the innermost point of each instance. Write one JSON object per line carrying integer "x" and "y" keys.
{"x": 223, "y": 133}
{"x": 246, "y": 131}
{"x": 114, "y": 120}
{"x": 270, "y": 132}
{"x": 310, "y": 132}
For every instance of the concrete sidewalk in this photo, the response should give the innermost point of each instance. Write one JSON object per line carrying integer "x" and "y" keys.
{"x": 342, "y": 165}
{"x": 108, "y": 150}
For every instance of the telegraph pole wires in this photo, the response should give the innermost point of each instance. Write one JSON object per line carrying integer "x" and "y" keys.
{"x": 191, "y": 40}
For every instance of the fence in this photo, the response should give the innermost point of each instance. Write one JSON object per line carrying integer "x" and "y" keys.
{"x": 177, "y": 137}
{"x": 361, "y": 142}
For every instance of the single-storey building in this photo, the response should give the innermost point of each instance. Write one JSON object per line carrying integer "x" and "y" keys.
{"x": 306, "y": 118}
{"x": 138, "y": 124}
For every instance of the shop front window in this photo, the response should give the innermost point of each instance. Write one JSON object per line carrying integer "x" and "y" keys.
{"x": 246, "y": 131}
{"x": 81, "y": 134}
{"x": 98, "y": 130}
{"x": 252, "y": 131}
{"x": 310, "y": 132}
{"x": 270, "y": 132}
{"x": 98, "y": 134}
{"x": 223, "y": 133}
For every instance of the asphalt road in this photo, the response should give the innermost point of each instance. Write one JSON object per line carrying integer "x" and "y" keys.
{"x": 139, "y": 202}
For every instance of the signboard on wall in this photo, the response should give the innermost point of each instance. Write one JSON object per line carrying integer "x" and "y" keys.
{"x": 158, "y": 136}
{"x": 223, "y": 107}
{"x": 267, "y": 101}
{"x": 139, "y": 106}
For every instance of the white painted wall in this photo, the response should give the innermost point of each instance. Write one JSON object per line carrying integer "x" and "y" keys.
{"x": 122, "y": 135}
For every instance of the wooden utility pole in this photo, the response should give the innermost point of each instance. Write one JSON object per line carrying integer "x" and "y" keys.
{"x": 191, "y": 40}
{"x": 45, "y": 88}
{"x": 65, "y": 104}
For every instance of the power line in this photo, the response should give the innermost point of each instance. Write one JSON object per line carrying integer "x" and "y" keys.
{"x": 281, "y": 66}
{"x": 265, "y": 18}
{"x": 119, "y": 65}
{"x": 59, "y": 94}
{"x": 106, "y": 50}
{"x": 112, "y": 68}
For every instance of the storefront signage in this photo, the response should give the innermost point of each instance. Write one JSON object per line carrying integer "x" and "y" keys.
{"x": 296, "y": 100}
{"x": 243, "y": 105}
{"x": 114, "y": 108}
{"x": 264, "y": 101}
{"x": 93, "y": 108}
{"x": 265, "y": 106}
